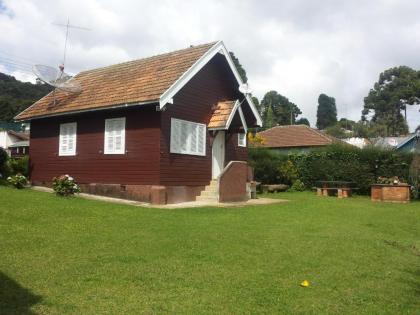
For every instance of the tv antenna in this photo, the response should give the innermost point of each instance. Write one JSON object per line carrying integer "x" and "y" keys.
{"x": 68, "y": 26}
{"x": 56, "y": 77}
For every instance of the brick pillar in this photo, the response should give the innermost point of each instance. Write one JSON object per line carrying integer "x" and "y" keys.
{"x": 158, "y": 195}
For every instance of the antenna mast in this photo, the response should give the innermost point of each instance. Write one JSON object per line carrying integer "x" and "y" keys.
{"x": 68, "y": 26}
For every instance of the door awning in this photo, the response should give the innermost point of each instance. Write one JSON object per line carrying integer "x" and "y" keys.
{"x": 223, "y": 115}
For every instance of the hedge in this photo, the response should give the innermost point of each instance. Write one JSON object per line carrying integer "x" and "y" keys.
{"x": 335, "y": 162}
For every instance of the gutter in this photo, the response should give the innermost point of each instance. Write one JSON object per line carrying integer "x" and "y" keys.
{"x": 126, "y": 105}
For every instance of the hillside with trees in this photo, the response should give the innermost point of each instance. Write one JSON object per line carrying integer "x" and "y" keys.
{"x": 15, "y": 96}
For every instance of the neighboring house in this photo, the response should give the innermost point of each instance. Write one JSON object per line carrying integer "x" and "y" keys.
{"x": 19, "y": 149}
{"x": 299, "y": 138}
{"x": 15, "y": 143}
{"x": 157, "y": 129}
{"x": 403, "y": 144}
{"x": 357, "y": 142}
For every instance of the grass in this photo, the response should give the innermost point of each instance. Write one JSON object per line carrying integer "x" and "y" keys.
{"x": 77, "y": 256}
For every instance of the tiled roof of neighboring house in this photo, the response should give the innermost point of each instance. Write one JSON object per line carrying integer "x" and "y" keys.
{"x": 294, "y": 136}
{"x": 137, "y": 81}
{"x": 221, "y": 114}
{"x": 19, "y": 135}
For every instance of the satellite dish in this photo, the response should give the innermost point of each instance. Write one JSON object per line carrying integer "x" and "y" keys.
{"x": 245, "y": 89}
{"x": 392, "y": 142}
{"x": 57, "y": 78}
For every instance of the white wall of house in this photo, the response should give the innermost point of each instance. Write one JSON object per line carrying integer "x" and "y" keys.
{"x": 6, "y": 140}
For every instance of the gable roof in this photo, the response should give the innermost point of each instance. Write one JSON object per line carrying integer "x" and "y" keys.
{"x": 19, "y": 135}
{"x": 294, "y": 136}
{"x": 150, "y": 80}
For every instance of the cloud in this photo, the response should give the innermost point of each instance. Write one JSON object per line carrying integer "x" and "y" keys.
{"x": 300, "y": 48}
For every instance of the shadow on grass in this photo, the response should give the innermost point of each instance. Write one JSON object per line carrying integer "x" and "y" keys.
{"x": 15, "y": 299}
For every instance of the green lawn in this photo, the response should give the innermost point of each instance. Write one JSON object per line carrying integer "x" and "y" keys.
{"x": 79, "y": 256}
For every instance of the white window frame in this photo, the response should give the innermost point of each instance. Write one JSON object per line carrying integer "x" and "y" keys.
{"x": 122, "y": 149}
{"x": 240, "y": 142}
{"x": 67, "y": 152}
{"x": 191, "y": 124}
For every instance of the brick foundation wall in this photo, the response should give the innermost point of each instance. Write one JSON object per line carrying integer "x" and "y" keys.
{"x": 145, "y": 193}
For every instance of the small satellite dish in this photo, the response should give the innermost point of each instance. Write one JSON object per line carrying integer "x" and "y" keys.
{"x": 245, "y": 89}
{"x": 57, "y": 78}
{"x": 392, "y": 142}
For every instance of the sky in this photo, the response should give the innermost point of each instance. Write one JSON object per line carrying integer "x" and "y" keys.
{"x": 300, "y": 48}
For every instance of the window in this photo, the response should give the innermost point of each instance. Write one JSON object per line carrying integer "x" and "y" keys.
{"x": 114, "y": 136}
{"x": 188, "y": 137}
{"x": 67, "y": 139}
{"x": 242, "y": 139}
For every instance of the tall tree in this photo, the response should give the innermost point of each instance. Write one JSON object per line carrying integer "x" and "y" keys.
{"x": 303, "y": 121}
{"x": 257, "y": 104}
{"x": 326, "y": 114}
{"x": 239, "y": 67}
{"x": 347, "y": 124}
{"x": 283, "y": 111}
{"x": 269, "y": 118}
{"x": 396, "y": 89}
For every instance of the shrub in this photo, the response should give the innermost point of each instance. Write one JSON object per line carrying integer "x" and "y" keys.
{"x": 19, "y": 166}
{"x": 65, "y": 185}
{"x": 297, "y": 186}
{"x": 18, "y": 181}
{"x": 288, "y": 172}
{"x": 266, "y": 165}
{"x": 3, "y": 159}
{"x": 335, "y": 162}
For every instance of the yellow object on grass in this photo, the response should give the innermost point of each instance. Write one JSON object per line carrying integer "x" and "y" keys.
{"x": 304, "y": 283}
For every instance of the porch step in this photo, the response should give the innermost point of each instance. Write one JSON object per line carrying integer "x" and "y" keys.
{"x": 207, "y": 199}
{"x": 210, "y": 192}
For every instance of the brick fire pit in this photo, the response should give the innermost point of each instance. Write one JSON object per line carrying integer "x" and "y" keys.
{"x": 390, "y": 193}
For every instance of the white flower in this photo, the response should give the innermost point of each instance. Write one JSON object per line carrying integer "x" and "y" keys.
{"x": 70, "y": 178}
{"x": 67, "y": 175}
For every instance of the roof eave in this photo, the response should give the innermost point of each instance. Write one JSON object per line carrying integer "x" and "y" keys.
{"x": 118, "y": 106}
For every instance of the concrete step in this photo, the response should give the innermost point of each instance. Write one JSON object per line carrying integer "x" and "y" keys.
{"x": 208, "y": 199}
{"x": 211, "y": 188}
{"x": 209, "y": 193}
{"x": 213, "y": 183}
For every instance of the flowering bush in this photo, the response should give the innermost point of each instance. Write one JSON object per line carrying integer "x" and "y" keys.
{"x": 18, "y": 181}
{"x": 389, "y": 180}
{"x": 65, "y": 185}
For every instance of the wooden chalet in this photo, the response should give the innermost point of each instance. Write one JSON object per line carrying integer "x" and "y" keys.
{"x": 164, "y": 129}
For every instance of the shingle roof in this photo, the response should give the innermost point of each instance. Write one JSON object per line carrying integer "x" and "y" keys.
{"x": 137, "y": 81}
{"x": 221, "y": 114}
{"x": 294, "y": 136}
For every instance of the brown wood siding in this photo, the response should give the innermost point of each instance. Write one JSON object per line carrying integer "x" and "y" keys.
{"x": 140, "y": 165}
{"x": 194, "y": 102}
{"x": 233, "y": 151}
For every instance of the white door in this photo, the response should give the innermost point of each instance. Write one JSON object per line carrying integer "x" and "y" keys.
{"x": 218, "y": 154}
